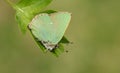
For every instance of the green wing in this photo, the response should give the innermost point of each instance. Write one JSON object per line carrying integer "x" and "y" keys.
{"x": 40, "y": 27}
{"x": 61, "y": 21}
{"x": 51, "y": 27}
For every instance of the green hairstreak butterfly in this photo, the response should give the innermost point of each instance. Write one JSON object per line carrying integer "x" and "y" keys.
{"x": 50, "y": 28}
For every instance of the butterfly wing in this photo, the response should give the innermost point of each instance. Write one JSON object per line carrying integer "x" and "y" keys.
{"x": 40, "y": 27}
{"x": 50, "y": 28}
{"x": 61, "y": 21}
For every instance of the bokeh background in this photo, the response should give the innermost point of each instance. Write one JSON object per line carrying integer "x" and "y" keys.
{"x": 94, "y": 31}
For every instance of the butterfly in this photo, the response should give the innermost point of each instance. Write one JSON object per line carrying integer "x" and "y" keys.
{"x": 50, "y": 28}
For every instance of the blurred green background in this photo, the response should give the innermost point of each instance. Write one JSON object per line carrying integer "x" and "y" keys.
{"x": 94, "y": 31}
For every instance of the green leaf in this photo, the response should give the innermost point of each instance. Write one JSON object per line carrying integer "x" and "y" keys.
{"x": 27, "y": 9}
{"x": 64, "y": 40}
{"x": 33, "y": 6}
{"x": 59, "y": 50}
{"x": 23, "y": 21}
{"x": 48, "y": 11}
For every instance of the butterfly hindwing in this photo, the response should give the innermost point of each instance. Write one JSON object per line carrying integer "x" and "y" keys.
{"x": 40, "y": 27}
{"x": 61, "y": 21}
